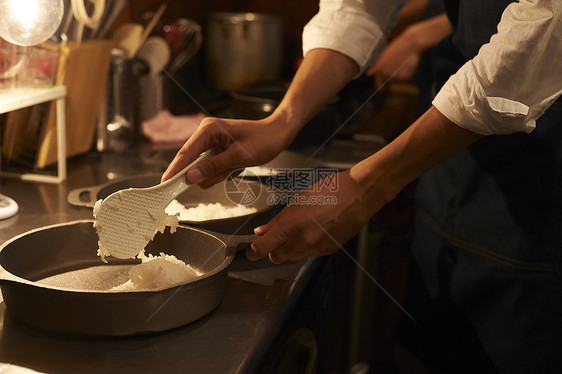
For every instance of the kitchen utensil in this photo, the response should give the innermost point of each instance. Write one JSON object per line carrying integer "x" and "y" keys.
{"x": 156, "y": 52}
{"x": 61, "y": 35}
{"x": 131, "y": 36}
{"x": 175, "y": 33}
{"x": 242, "y": 49}
{"x": 148, "y": 29}
{"x": 83, "y": 19}
{"x": 127, "y": 220}
{"x": 190, "y": 45}
{"x": 65, "y": 22}
{"x": 128, "y": 37}
{"x": 51, "y": 278}
{"x": 118, "y": 133}
{"x": 80, "y": 66}
{"x": 114, "y": 9}
{"x": 244, "y": 224}
{"x": 117, "y": 120}
{"x": 151, "y": 97}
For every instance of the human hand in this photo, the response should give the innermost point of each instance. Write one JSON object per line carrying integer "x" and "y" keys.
{"x": 244, "y": 143}
{"x": 318, "y": 223}
{"x": 399, "y": 62}
{"x": 319, "y": 226}
{"x": 400, "y": 59}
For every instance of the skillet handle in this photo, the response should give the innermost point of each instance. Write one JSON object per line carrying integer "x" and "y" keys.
{"x": 239, "y": 242}
{"x": 85, "y": 197}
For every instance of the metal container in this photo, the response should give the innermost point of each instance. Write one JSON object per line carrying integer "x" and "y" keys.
{"x": 242, "y": 49}
{"x": 150, "y": 97}
{"x": 115, "y": 118}
{"x": 51, "y": 278}
{"x": 258, "y": 102}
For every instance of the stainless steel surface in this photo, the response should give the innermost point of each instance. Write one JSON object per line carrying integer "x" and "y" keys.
{"x": 242, "y": 49}
{"x": 232, "y": 339}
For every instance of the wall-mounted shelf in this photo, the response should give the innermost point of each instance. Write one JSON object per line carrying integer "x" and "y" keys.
{"x": 19, "y": 98}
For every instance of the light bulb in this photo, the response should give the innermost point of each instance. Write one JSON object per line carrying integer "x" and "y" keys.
{"x": 29, "y": 22}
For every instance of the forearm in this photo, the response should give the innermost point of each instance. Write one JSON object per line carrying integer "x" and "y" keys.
{"x": 318, "y": 229}
{"x": 411, "y": 12}
{"x": 428, "y": 33}
{"x": 322, "y": 74}
{"x": 427, "y": 142}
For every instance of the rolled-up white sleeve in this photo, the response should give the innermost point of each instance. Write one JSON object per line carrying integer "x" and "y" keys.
{"x": 514, "y": 78}
{"x": 355, "y": 28}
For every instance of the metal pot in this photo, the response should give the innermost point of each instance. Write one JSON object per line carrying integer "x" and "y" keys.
{"x": 219, "y": 193}
{"x": 242, "y": 49}
{"x": 260, "y": 101}
{"x": 52, "y": 278}
{"x": 257, "y": 102}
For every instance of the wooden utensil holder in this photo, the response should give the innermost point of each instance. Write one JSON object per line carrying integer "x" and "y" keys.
{"x": 83, "y": 70}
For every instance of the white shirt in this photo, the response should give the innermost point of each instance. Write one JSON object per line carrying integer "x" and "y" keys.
{"x": 504, "y": 89}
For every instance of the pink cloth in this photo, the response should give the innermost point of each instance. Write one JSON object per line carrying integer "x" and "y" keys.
{"x": 167, "y": 128}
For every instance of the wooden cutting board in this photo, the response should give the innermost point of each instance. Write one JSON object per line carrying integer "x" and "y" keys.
{"x": 83, "y": 70}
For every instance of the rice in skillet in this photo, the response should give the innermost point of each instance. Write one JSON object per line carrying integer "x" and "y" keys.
{"x": 158, "y": 272}
{"x": 204, "y": 212}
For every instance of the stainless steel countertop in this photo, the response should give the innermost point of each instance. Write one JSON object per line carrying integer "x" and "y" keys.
{"x": 234, "y": 338}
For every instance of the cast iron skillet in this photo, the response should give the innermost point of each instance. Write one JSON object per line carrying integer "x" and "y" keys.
{"x": 52, "y": 278}
{"x": 224, "y": 193}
